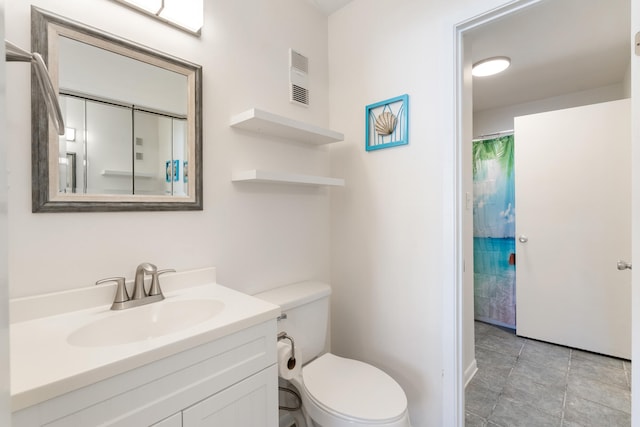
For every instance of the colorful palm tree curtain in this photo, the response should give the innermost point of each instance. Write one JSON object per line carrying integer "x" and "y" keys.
{"x": 494, "y": 231}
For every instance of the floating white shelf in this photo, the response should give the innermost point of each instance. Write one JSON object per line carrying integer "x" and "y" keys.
{"x": 261, "y": 121}
{"x": 110, "y": 172}
{"x": 256, "y": 175}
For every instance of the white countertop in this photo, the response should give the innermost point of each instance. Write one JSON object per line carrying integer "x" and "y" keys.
{"x": 44, "y": 365}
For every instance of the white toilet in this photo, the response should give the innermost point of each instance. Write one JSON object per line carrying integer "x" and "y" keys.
{"x": 335, "y": 392}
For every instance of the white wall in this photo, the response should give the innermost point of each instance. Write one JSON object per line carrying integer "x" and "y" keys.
{"x": 258, "y": 236}
{"x": 392, "y": 228}
{"x": 104, "y": 74}
{"x": 4, "y": 244}
{"x": 501, "y": 119}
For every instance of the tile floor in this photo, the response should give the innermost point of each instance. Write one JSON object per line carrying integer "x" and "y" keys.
{"x": 523, "y": 382}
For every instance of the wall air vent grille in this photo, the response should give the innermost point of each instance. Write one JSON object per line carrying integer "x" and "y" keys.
{"x": 298, "y": 78}
{"x": 299, "y": 61}
{"x": 299, "y": 94}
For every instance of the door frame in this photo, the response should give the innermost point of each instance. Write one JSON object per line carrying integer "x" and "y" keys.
{"x": 454, "y": 301}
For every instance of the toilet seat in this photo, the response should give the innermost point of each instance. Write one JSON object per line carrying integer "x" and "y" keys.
{"x": 348, "y": 392}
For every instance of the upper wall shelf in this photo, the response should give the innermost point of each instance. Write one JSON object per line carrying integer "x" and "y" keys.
{"x": 261, "y": 121}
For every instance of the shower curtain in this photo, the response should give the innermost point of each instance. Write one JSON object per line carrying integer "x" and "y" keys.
{"x": 494, "y": 231}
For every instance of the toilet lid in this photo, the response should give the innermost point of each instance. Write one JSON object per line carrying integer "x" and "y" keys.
{"x": 353, "y": 389}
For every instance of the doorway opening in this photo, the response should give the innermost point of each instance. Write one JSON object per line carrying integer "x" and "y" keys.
{"x": 471, "y": 124}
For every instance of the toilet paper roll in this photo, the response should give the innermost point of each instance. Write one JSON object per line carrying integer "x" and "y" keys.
{"x": 288, "y": 368}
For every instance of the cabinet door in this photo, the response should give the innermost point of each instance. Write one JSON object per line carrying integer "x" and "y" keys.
{"x": 173, "y": 421}
{"x": 252, "y": 402}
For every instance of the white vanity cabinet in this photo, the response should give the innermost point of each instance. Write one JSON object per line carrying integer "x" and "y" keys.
{"x": 229, "y": 382}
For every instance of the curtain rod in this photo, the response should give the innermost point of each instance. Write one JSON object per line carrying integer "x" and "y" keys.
{"x": 493, "y": 135}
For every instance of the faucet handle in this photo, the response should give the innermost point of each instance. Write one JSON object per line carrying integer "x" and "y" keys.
{"x": 121, "y": 289}
{"x": 154, "y": 289}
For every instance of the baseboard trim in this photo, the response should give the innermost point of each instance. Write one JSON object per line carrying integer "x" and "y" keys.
{"x": 470, "y": 372}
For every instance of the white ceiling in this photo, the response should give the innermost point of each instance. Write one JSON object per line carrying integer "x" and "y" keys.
{"x": 556, "y": 47}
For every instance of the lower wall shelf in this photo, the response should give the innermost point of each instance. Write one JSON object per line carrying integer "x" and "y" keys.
{"x": 257, "y": 175}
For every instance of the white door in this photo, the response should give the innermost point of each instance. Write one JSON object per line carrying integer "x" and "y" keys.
{"x": 635, "y": 177}
{"x": 573, "y": 223}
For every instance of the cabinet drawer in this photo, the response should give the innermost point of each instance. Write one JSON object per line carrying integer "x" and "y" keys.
{"x": 249, "y": 403}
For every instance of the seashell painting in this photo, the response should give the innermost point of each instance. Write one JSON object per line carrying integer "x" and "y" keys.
{"x": 386, "y": 123}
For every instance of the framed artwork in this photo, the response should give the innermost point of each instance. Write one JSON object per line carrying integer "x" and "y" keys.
{"x": 172, "y": 170}
{"x": 387, "y": 123}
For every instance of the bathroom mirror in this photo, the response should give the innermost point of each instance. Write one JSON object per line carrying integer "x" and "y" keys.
{"x": 133, "y": 118}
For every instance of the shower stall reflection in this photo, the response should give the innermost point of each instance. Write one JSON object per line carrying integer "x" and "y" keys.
{"x": 121, "y": 149}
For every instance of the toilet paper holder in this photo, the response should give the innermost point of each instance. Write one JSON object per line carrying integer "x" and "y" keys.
{"x": 291, "y": 363}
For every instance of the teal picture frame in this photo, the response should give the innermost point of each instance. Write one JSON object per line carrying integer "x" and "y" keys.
{"x": 172, "y": 170}
{"x": 387, "y": 123}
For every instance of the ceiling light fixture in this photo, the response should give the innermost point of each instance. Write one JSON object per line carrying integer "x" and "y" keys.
{"x": 491, "y": 66}
{"x": 184, "y": 14}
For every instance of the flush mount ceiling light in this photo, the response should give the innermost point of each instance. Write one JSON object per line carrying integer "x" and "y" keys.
{"x": 491, "y": 66}
{"x": 184, "y": 14}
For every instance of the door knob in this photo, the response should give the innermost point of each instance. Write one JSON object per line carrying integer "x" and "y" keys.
{"x": 624, "y": 265}
{"x": 523, "y": 239}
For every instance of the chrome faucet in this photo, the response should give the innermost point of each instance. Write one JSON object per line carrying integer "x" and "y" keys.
{"x": 138, "y": 284}
{"x": 139, "y": 295}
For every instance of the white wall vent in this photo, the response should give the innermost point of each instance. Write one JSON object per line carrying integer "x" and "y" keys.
{"x": 298, "y": 78}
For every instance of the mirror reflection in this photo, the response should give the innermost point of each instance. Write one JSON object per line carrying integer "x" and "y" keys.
{"x": 120, "y": 149}
{"x": 133, "y": 125}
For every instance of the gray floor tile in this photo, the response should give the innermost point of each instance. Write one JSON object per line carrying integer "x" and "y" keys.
{"x": 628, "y": 378}
{"x": 595, "y": 369}
{"x": 523, "y": 389}
{"x": 627, "y": 371}
{"x": 486, "y": 358}
{"x": 514, "y": 413}
{"x": 480, "y": 400}
{"x": 492, "y": 377}
{"x": 543, "y": 375}
{"x": 526, "y": 382}
{"x": 605, "y": 394}
{"x": 587, "y": 414}
{"x": 483, "y": 329}
{"x": 545, "y": 354}
{"x": 500, "y": 331}
{"x": 598, "y": 359}
{"x": 510, "y": 345}
{"x": 566, "y": 423}
{"x": 472, "y": 420}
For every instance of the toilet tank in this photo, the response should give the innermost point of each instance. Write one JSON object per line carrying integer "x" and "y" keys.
{"x": 305, "y": 315}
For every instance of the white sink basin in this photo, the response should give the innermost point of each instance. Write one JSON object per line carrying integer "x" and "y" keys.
{"x": 145, "y": 322}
